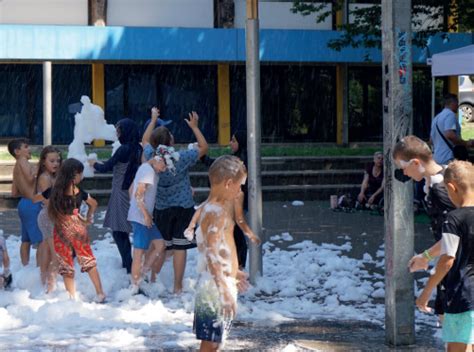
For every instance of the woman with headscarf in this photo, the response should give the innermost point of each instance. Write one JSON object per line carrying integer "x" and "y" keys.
{"x": 124, "y": 164}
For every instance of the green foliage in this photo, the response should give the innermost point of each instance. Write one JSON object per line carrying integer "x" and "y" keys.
{"x": 364, "y": 31}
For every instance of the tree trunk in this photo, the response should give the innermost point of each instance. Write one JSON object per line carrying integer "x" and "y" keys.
{"x": 225, "y": 13}
{"x": 97, "y": 12}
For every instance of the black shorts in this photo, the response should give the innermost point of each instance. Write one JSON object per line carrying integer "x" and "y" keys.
{"x": 172, "y": 222}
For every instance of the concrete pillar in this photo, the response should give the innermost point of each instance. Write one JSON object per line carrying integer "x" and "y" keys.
{"x": 47, "y": 103}
{"x": 397, "y": 123}
{"x": 254, "y": 135}
{"x": 223, "y": 104}
{"x": 98, "y": 93}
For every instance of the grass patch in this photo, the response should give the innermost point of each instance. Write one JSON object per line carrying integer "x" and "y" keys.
{"x": 467, "y": 130}
{"x": 276, "y": 150}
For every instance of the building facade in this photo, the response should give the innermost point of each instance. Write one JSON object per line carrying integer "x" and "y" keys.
{"x": 184, "y": 55}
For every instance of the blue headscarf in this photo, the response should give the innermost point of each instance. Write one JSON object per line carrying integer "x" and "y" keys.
{"x": 129, "y": 139}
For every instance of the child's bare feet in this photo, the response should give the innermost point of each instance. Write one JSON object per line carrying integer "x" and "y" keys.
{"x": 178, "y": 290}
{"x": 100, "y": 298}
{"x": 51, "y": 282}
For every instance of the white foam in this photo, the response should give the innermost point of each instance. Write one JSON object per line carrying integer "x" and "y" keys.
{"x": 90, "y": 124}
{"x": 308, "y": 281}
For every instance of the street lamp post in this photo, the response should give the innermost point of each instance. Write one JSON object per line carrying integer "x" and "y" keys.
{"x": 398, "y": 198}
{"x": 254, "y": 135}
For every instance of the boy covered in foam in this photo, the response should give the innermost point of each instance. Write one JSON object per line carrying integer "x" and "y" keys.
{"x": 219, "y": 276}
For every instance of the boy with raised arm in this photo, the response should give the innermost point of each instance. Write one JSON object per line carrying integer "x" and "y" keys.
{"x": 216, "y": 292}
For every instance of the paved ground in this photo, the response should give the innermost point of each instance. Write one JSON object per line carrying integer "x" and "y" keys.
{"x": 316, "y": 222}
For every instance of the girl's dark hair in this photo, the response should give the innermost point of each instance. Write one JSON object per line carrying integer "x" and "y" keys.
{"x": 241, "y": 137}
{"x": 59, "y": 201}
{"x": 44, "y": 153}
{"x": 160, "y": 135}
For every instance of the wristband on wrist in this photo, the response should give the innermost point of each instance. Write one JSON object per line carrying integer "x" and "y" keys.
{"x": 427, "y": 255}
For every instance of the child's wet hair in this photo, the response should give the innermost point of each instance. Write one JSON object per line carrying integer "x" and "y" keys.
{"x": 160, "y": 135}
{"x": 461, "y": 173}
{"x": 226, "y": 167}
{"x": 412, "y": 147}
{"x": 16, "y": 144}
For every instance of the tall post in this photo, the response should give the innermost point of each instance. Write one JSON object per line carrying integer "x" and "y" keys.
{"x": 398, "y": 204}
{"x": 253, "y": 135}
{"x": 47, "y": 103}
{"x": 342, "y": 82}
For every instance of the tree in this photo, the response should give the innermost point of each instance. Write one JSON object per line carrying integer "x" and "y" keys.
{"x": 433, "y": 16}
{"x": 97, "y": 12}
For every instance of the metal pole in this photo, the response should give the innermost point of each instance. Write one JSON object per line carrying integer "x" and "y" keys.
{"x": 345, "y": 92}
{"x": 47, "y": 103}
{"x": 254, "y": 135}
{"x": 398, "y": 203}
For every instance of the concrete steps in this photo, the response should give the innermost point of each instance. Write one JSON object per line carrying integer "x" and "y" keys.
{"x": 283, "y": 178}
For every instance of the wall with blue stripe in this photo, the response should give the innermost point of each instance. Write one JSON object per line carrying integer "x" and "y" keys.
{"x": 45, "y": 42}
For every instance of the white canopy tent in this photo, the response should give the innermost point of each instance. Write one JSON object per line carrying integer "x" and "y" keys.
{"x": 455, "y": 62}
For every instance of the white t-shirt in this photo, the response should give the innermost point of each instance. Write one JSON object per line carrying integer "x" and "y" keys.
{"x": 145, "y": 174}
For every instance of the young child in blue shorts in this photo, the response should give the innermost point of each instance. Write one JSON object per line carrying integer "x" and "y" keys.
{"x": 455, "y": 268}
{"x": 140, "y": 215}
{"x": 24, "y": 181}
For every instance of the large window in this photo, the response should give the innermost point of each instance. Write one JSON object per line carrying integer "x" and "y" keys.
{"x": 131, "y": 91}
{"x": 70, "y": 82}
{"x": 298, "y": 102}
{"x": 422, "y": 102}
{"x": 21, "y": 102}
{"x": 365, "y": 104}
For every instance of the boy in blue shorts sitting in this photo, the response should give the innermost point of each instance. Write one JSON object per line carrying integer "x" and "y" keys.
{"x": 23, "y": 185}
{"x": 455, "y": 268}
{"x": 142, "y": 203}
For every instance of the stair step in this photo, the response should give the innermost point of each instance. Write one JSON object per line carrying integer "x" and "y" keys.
{"x": 200, "y": 178}
{"x": 269, "y": 193}
{"x": 271, "y": 163}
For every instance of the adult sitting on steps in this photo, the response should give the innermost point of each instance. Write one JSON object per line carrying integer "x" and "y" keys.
{"x": 371, "y": 190}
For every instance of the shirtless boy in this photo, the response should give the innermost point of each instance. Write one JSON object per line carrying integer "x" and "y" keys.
{"x": 216, "y": 292}
{"x": 24, "y": 186}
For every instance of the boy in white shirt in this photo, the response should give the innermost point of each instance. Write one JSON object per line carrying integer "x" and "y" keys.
{"x": 140, "y": 215}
